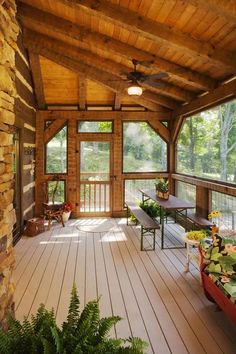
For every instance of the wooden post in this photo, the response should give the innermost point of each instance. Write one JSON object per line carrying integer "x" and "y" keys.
{"x": 202, "y": 201}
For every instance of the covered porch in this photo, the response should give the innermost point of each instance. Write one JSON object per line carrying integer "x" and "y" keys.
{"x": 151, "y": 291}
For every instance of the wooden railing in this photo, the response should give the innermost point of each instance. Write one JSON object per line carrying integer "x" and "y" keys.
{"x": 94, "y": 196}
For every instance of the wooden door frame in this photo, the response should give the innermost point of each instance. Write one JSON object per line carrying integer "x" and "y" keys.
{"x": 100, "y": 137}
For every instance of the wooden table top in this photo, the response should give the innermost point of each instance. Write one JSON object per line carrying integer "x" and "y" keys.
{"x": 173, "y": 203}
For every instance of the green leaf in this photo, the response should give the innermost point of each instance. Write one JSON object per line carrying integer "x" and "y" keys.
{"x": 214, "y": 268}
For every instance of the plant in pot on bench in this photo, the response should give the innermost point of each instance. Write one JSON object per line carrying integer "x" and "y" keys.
{"x": 162, "y": 188}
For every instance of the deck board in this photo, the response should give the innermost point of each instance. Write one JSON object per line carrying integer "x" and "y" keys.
{"x": 158, "y": 300}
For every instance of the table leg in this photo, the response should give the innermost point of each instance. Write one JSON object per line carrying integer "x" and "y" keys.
{"x": 188, "y": 258}
{"x": 186, "y": 220}
{"x": 162, "y": 227}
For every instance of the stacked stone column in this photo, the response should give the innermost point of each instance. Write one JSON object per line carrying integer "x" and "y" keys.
{"x": 8, "y": 35}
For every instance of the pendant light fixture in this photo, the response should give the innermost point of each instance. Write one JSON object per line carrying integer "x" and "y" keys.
{"x": 135, "y": 90}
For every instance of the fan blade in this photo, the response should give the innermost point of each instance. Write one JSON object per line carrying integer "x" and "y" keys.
{"x": 155, "y": 84}
{"x": 153, "y": 77}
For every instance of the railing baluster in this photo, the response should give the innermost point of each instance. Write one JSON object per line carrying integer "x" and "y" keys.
{"x": 89, "y": 197}
{"x": 100, "y": 197}
{"x": 105, "y": 196}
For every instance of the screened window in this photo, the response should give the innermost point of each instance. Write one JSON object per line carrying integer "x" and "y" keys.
{"x": 186, "y": 191}
{"x": 95, "y": 127}
{"x": 56, "y": 192}
{"x": 143, "y": 149}
{"x": 133, "y": 186}
{"x": 206, "y": 146}
{"x": 56, "y": 153}
{"x": 226, "y": 204}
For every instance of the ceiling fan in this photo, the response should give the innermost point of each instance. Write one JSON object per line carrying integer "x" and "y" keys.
{"x": 137, "y": 78}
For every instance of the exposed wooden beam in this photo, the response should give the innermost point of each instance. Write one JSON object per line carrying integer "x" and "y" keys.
{"x": 118, "y": 69}
{"x": 82, "y": 92}
{"x": 160, "y": 129}
{"x": 99, "y": 76}
{"x": 218, "y": 95}
{"x": 115, "y": 68}
{"x": 157, "y": 32}
{"x": 222, "y": 8}
{"x": 37, "y": 79}
{"x": 53, "y": 129}
{"x": 83, "y": 35}
{"x": 44, "y": 46}
{"x": 176, "y": 127}
{"x": 98, "y": 115}
{"x": 60, "y": 120}
{"x": 117, "y": 103}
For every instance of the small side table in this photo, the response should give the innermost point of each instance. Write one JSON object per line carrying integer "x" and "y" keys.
{"x": 190, "y": 246}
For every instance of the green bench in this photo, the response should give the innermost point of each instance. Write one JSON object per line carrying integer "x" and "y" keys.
{"x": 148, "y": 225}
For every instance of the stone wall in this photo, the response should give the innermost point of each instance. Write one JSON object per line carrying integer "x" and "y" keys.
{"x": 8, "y": 36}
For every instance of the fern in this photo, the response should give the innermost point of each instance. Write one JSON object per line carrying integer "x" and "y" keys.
{"x": 80, "y": 333}
{"x": 73, "y": 313}
{"x": 105, "y": 325}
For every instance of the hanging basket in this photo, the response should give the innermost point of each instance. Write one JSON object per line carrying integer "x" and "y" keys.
{"x": 163, "y": 195}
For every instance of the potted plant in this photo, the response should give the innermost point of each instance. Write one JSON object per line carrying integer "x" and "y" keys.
{"x": 83, "y": 332}
{"x": 162, "y": 188}
{"x": 151, "y": 208}
{"x": 67, "y": 209}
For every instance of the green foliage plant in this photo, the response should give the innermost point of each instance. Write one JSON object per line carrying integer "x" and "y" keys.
{"x": 79, "y": 334}
{"x": 162, "y": 185}
{"x": 151, "y": 208}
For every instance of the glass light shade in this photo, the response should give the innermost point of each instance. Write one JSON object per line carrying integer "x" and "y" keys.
{"x": 135, "y": 90}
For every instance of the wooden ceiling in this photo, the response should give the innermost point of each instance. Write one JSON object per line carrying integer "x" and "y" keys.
{"x": 81, "y": 50}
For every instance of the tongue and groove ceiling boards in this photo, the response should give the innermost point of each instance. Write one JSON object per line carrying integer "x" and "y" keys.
{"x": 81, "y": 50}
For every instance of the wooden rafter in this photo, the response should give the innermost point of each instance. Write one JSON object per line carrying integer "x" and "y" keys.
{"x": 157, "y": 32}
{"x": 118, "y": 69}
{"x": 46, "y": 47}
{"x": 218, "y": 95}
{"x": 84, "y": 35}
{"x": 114, "y": 68}
{"x": 37, "y": 79}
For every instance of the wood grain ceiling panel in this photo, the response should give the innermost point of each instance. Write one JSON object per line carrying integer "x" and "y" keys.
{"x": 98, "y": 95}
{"x": 163, "y": 12}
{"x": 61, "y": 85}
{"x": 207, "y": 27}
{"x": 145, "y": 6}
{"x": 186, "y": 16}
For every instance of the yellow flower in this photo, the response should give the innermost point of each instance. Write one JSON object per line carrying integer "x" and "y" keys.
{"x": 214, "y": 214}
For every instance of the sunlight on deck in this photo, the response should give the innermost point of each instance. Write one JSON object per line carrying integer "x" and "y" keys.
{"x": 151, "y": 291}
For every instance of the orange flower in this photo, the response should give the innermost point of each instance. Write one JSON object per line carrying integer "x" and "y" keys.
{"x": 224, "y": 279}
{"x": 230, "y": 248}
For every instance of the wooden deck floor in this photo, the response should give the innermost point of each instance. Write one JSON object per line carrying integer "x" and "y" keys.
{"x": 158, "y": 301}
